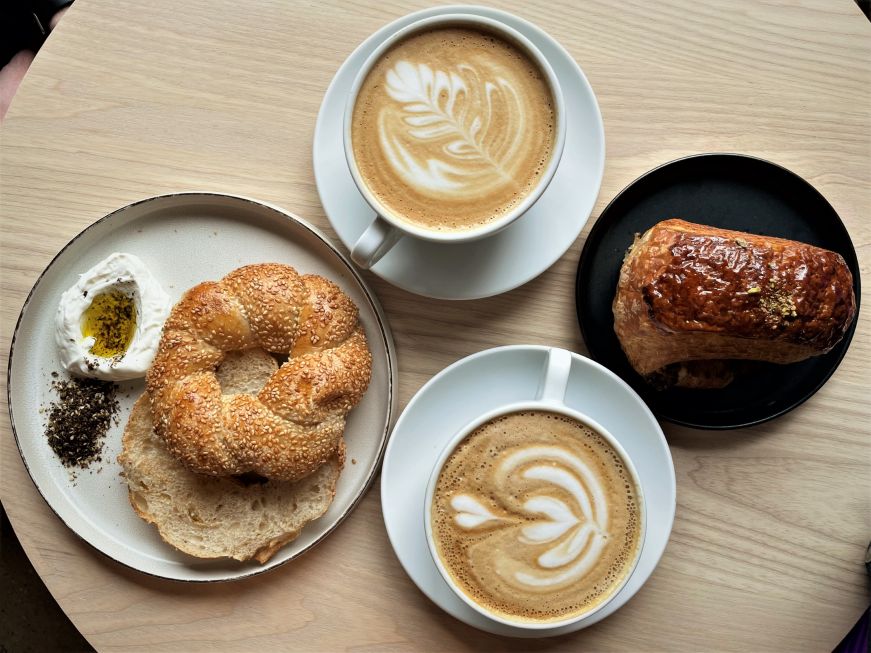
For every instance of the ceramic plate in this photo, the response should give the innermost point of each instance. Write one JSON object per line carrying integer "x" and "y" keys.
{"x": 515, "y": 255}
{"x": 730, "y": 191}
{"x": 183, "y": 239}
{"x": 483, "y": 382}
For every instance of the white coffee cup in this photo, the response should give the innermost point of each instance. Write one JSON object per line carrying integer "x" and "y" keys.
{"x": 550, "y": 398}
{"x": 386, "y": 229}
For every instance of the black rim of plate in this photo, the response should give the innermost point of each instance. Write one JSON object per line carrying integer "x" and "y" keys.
{"x": 604, "y": 347}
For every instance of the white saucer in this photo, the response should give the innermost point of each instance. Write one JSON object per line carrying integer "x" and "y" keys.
{"x": 515, "y": 255}
{"x": 482, "y": 382}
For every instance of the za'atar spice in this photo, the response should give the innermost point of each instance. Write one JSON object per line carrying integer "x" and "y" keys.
{"x": 79, "y": 420}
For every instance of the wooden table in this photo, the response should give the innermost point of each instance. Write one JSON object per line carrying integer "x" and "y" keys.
{"x": 130, "y": 99}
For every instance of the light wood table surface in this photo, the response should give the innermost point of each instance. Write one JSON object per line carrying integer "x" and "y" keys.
{"x": 131, "y": 99}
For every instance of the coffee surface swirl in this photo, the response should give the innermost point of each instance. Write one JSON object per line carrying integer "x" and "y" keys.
{"x": 452, "y": 128}
{"x": 536, "y": 517}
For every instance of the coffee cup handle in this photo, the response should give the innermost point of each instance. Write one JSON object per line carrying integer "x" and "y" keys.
{"x": 374, "y": 243}
{"x": 556, "y": 377}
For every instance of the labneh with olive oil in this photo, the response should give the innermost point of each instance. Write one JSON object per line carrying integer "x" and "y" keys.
{"x": 108, "y": 324}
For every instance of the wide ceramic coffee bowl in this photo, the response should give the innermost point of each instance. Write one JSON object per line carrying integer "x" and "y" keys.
{"x": 503, "y": 261}
{"x": 550, "y": 399}
{"x": 387, "y": 228}
{"x": 488, "y": 380}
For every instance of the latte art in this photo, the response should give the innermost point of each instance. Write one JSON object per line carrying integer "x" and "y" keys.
{"x": 582, "y": 549}
{"x": 453, "y": 128}
{"x": 536, "y": 516}
{"x": 451, "y": 133}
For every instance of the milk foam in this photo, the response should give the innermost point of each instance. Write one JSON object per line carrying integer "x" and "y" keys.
{"x": 471, "y": 513}
{"x": 535, "y": 516}
{"x": 447, "y": 121}
{"x": 453, "y": 128}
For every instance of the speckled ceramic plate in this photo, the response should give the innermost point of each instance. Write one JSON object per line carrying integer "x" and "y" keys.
{"x": 183, "y": 239}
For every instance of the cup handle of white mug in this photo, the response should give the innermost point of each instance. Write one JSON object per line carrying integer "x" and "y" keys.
{"x": 556, "y": 376}
{"x": 374, "y": 243}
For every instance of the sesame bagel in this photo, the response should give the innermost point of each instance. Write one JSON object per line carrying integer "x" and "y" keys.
{"x": 295, "y": 423}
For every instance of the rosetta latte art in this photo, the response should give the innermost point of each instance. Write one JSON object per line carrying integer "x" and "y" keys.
{"x": 578, "y": 530}
{"x": 453, "y": 131}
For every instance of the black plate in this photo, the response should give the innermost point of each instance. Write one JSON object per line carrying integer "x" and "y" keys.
{"x": 722, "y": 190}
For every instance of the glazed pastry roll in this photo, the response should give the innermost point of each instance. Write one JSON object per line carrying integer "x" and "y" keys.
{"x": 690, "y": 293}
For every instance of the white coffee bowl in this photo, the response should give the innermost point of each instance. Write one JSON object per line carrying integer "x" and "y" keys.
{"x": 505, "y": 260}
{"x": 488, "y": 380}
{"x": 386, "y": 229}
{"x": 551, "y": 398}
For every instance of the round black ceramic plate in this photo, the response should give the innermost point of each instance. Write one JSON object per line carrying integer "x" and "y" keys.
{"x": 722, "y": 190}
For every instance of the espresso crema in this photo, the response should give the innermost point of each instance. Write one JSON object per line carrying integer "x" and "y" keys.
{"x": 536, "y": 517}
{"x": 453, "y": 128}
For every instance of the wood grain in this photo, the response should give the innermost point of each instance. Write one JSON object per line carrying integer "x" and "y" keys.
{"x": 130, "y": 99}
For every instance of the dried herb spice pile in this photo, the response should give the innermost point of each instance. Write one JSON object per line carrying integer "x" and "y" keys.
{"x": 79, "y": 420}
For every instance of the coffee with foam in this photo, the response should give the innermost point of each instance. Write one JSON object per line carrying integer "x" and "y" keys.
{"x": 452, "y": 128}
{"x": 536, "y": 517}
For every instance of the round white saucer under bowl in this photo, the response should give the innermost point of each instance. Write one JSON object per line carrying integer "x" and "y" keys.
{"x": 516, "y": 254}
{"x": 184, "y": 239}
{"x": 482, "y": 382}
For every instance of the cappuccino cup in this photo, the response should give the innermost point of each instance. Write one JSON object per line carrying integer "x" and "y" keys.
{"x": 534, "y": 513}
{"x": 453, "y": 129}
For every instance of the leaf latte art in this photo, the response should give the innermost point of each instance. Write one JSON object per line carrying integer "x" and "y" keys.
{"x": 535, "y": 516}
{"x": 445, "y": 136}
{"x": 453, "y": 128}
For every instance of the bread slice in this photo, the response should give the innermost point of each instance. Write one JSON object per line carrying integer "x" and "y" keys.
{"x": 215, "y": 517}
{"x": 245, "y": 372}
